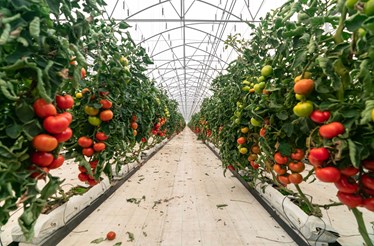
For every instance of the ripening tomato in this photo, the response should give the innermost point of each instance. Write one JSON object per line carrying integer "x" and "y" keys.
{"x": 351, "y": 200}
{"x": 304, "y": 86}
{"x": 368, "y": 164}
{"x": 303, "y": 109}
{"x": 280, "y": 159}
{"x": 106, "y": 115}
{"x": 283, "y": 179}
{"x": 369, "y": 204}
{"x": 252, "y": 157}
{"x": 64, "y": 136}
{"x": 349, "y": 171}
{"x": 296, "y": 167}
{"x": 241, "y": 140}
{"x": 134, "y": 118}
{"x": 94, "y": 121}
{"x": 318, "y": 155}
{"x": 44, "y": 142}
{"x": 64, "y": 102}
{"x": 94, "y": 163}
{"x": 99, "y": 147}
{"x": 320, "y": 116}
{"x": 263, "y": 132}
{"x": 298, "y": 155}
{"x": 85, "y": 142}
{"x": 346, "y": 184}
{"x": 42, "y": 159}
{"x": 328, "y": 174}
{"x": 106, "y": 104}
{"x": 101, "y": 136}
{"x": 295, "y": 178}
{"x": 368, "y": 180}
{"x": 83, "y": 177}
{"x": 255, "y": 149}
{"x": 55, "y": 124}
{"x": 88, "y": 152}
{"x": 279, "y": 169}
{"x": 83, "y": 72}
{"x": 91, "y": 110}
{"x": 68, "y": 116}
{"x": 111, "y": 235}
{"x": 331, "y": 130}
{"x": 43, "y": 109}
{"x": 135, "y": 132}
{"x": 134, "y": 125}
{"x": 56, "y": 163}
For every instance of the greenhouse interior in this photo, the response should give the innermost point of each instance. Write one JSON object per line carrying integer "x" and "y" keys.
{"x": 187, "y": 122}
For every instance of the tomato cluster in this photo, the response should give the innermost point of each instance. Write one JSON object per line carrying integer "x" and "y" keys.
{"x": 134, "y": 126}
{"x": 156, "y": 129}
{"x": 85, "y": 176}
{"x": 288, "y": 168}
{"x": 57, "y": 131}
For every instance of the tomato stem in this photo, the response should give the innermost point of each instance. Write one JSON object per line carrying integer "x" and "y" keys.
{"x": 361, "y": 226}
{"x": 314, "y": 210}
{"x": 338, "y": 34}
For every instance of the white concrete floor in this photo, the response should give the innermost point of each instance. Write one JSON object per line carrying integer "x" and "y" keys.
{"x": 186, "y": 201}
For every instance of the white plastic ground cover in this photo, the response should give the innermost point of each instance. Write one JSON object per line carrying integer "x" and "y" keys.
{"x": 49, "y": 223}
{"x": 314, "y": 229}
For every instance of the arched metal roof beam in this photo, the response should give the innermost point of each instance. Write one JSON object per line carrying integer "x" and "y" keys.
{"x": 149, "y": 7}
{"x": 161, "y": 75}
{"x": 190, "y": 74}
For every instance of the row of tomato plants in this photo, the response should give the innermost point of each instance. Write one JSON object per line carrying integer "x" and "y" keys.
{"x": 72, "y": 86}
{"x": 301, "y": 91}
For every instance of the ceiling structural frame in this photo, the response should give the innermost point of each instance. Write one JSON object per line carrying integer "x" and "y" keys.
{"x": 194, "y": 70}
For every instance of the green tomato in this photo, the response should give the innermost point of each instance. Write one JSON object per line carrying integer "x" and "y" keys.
{"x": 257, "y": 88}
{"x": 361, "y": 32}
{"x": 303, "y": 109}
{"x": 266, "y": 71}
{"x": 246, "y": 82}
{"x": 255, "y": 122}
{"x": 350, "y": 3}
{"x": 237, "y": 121}
{"x": 261, "y": 78}
{"x": 246, "y": 88}
{"x": 262, "y": 85}
{"x": 300, "y": 97}
{"x": 124, "y": 61}
{"x": 95, "y": 121}
{"x": 369, "y": 8}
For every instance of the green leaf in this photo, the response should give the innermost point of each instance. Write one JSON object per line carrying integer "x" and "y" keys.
{"x": 119, "y": 243}
{"x": 354, "y": 22}
{"x": 14, "y": 131}
{"x": 32, "y": 128}
{"x": 54, "y": 6}
{"x": 285, "y": 148}
{"x": 282, "y": 115}
{"x": 123, "y": 25}
{"x": 98, "y": 240}
{"x": 25, "y": 112}
{"x": 355, "y": 152}
{"x": 366, "y": 113}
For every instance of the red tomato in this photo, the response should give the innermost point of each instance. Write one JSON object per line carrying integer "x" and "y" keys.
{"x": 283, "y": 179}
{"x": 240, "y": 140}
{"x": 83, "y": 177}
{"x": 369, "y": 204}
{"x": 328, "y": 174}
{"x": 318, "y": 155}
{"x": 263, "y": 132}
{"x": 320, "y": 116}
{"x": 134, "y": 117}
{"x": 106, "y": 104}
{"x": 101, "y": 136}
{"x": 368, "y": 164}
{"x": 99, "y": 147}
{"x": 255, "y": 149}
{"x": 88, "y": 151}
{"x": 280, "y": 159}
{"x": 231, "y": 167}
{"x": 106, "y": 115}
{"x": 254, "y": 165}
{"x": 349, "y": 171}
{"x": 347, "y": 184}
{"x": 111, "y": 235}
{"x": 82, "y": 169}
{"x": 85, "y": 142}
{"x": 296, "y": 167}
{"x": 68, "y": 116}
{"x": 351, "y": 200}
{"x": 134, "y": 125}
{"x": 331, "y": 130}
{"x": 92, "y": 182}
{"x": 104, "y": 93}
{"x": 295, "y": 178}
{"x": 368, "y": 180}
{"x": 279, "y": 169}
{"x": 64, "y": 136}
{"x": 154, "y": 132}
{"x": 38, "y": 173}
{"x": 144, "y": 140}
{"x": 42, "y": 159}
{"x": 55, "y": 124}
{"x": 298, "y": 155}
{"x": 94, "y": 163}
{"x": 64, "y": 102}
{"x": 304, "y": 86}
{"x": 44, "y": 142}
{"x": 43, "y": 109}
{"x": 83, "y": 72}
{"x": 56, "y": 163}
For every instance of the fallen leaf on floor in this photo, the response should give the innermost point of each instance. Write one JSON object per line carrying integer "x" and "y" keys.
{"x": 206, "y": 174}
{"x": 145, "y": 234}
{"x": 221, "y": 205}
{"x": 135, "y": 200}
{"x": 98, "y": 240}
{"x": 131, "y": 236}
{"x": 118, "y": 244}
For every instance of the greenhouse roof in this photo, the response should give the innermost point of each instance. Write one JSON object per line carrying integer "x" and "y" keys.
{"x": 185, "y": 39}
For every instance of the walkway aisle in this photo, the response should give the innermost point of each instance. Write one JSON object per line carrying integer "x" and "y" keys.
{"x": 186, "y": 201}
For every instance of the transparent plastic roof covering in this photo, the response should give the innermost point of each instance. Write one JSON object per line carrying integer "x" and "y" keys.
{"x": 185, "y": 39}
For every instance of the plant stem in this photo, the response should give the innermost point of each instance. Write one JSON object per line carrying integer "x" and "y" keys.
{"x": 361, "y": 226}
{"x": 338, "y": 34}
{"x": 315, "y": 210}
